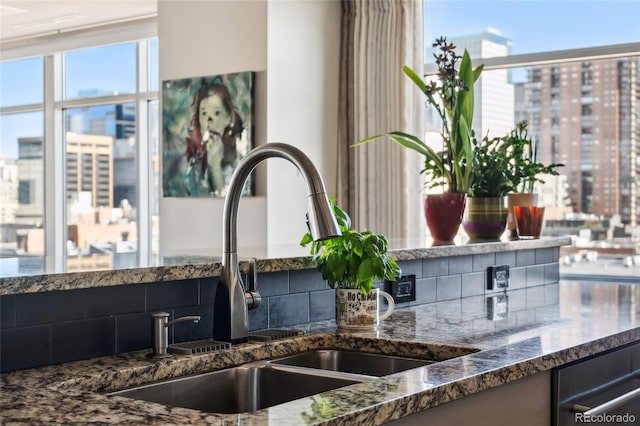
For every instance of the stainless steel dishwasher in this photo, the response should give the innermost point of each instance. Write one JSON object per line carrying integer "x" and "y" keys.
{"x": 604, "y": 389}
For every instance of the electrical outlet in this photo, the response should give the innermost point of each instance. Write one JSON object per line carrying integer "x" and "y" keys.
{"x": 403, "y": 289}
{"x": 497, "y": 277}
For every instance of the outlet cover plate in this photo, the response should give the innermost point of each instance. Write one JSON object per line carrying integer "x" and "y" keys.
{"x": 403, "y": 289}
{"x": 497, "y": 277}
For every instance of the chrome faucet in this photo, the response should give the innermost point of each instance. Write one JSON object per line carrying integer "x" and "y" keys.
{"x": 161, "y": 333}
{"x": 232, "y": 299}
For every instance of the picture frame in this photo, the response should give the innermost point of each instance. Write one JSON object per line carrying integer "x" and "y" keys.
{"x": 207, "y": 128}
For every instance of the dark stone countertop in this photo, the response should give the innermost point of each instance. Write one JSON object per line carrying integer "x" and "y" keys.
{"x": 542, "y": 327}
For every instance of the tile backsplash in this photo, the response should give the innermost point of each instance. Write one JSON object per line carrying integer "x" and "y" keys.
{"x": 53, "y": 327}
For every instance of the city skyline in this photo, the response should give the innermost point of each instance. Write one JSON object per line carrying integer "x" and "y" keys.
{"x": 518, "y": 20}
{"x": 87, "y": 67}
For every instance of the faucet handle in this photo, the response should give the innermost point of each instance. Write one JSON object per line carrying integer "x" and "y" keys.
{"x": 251, "y": 295}
{"x": 252, "y": 275}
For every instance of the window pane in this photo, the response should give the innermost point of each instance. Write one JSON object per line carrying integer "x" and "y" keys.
{"x": 102, "y": 71}
{"x": 21, "y": 184}
{"x": 536, "y": 26}
{"x": 155, "y": 74}
{"x": 21, "y": 82}
{"x": 582, "y": 114}
{"x": 101, "y": 179}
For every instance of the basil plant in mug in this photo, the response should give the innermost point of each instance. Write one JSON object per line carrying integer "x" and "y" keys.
{"x": 353, "y": 260}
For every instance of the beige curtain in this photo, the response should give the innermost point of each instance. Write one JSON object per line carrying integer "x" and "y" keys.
{"x": 380, "y": 183}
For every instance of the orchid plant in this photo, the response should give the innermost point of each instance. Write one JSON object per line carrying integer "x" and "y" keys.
{"x": 452, "y": 96}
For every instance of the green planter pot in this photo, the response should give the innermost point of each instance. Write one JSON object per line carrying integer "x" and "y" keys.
{"x": 485, "y": 218}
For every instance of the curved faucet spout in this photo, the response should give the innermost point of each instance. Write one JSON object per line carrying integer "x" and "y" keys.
{"x": 322, "y": 224}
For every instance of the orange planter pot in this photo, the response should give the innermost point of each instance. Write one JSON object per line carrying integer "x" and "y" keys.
{"x": 520, "y": 199}
{"x": 529, "y": 220}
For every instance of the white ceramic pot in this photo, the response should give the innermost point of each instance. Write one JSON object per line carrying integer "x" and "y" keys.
{"x": 356, "y": 311}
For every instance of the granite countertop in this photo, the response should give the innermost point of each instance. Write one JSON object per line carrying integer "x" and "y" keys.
{"x": 541, "y": 328}
{"x": 37, "y": 274}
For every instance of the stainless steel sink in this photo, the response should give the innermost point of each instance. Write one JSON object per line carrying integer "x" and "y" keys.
{"x": 261, "y": 384}
{"x": 352, "y": 362}
{"x": 246, "y": 388}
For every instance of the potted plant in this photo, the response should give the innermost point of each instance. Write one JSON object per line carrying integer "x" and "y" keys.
{"x": 350, "y": 263}
{"x": 452, "y": 96}
{"x": 524, "y": 170}
{"x": 486, "y": 214}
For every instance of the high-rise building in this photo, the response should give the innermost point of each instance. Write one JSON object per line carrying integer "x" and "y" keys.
{"x": 30, "y": 209}
{"x": 587, "y": 116}
{"x": 8, "y": 189}
{"x": 629, "y": 72}
{"x": 89, "y": 170}
{"x": 493, "y": 92}
{"x": 90, "y": 167}
{"x": 117, "y": 121}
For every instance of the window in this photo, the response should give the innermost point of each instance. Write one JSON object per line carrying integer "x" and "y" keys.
{"x": 576, "y": 87}
{"x": 586, "y": 73}
{"x": 93, "y": 144}
{"x": 26, "y": 78}
{"x": 25, "y": 192}
{"x": 90, "y": 72}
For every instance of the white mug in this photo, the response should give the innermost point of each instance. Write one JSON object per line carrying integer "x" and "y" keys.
{"x": 356, "y": 311}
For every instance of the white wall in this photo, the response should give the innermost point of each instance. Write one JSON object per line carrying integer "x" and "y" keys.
{"x": 293, "y": 46}
{"x": 302, "y": 101}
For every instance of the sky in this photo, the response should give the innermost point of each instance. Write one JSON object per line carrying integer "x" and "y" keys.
{"x": 537, "y": 26}
{"x": 532, "y": 26}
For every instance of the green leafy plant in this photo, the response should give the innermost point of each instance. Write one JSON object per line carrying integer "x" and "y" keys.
{"x": 354, "y": 259}
{"x": 452, "y": 97}
{"x": 523, "y": 166}
{"x": 491, "y": 177}
{"x": 507, "y": 164}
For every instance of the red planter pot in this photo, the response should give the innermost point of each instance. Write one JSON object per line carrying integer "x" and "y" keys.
{"x": 444, "y": 214}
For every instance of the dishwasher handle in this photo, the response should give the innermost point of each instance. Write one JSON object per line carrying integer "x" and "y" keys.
{"x": 606, "y": 406}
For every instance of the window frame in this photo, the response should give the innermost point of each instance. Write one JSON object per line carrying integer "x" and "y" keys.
{"x": 54, "y": 155}
{"x": 552, "y": 57}
{"x": 557, "y": 57}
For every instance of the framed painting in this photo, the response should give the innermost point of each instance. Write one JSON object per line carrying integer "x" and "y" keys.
{"x": 207, "y": 128}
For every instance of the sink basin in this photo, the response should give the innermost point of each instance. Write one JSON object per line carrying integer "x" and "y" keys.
{"x": 262, "y": 384}
{"x": 352, "y": 362}
{"x": 246, "y": 388}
